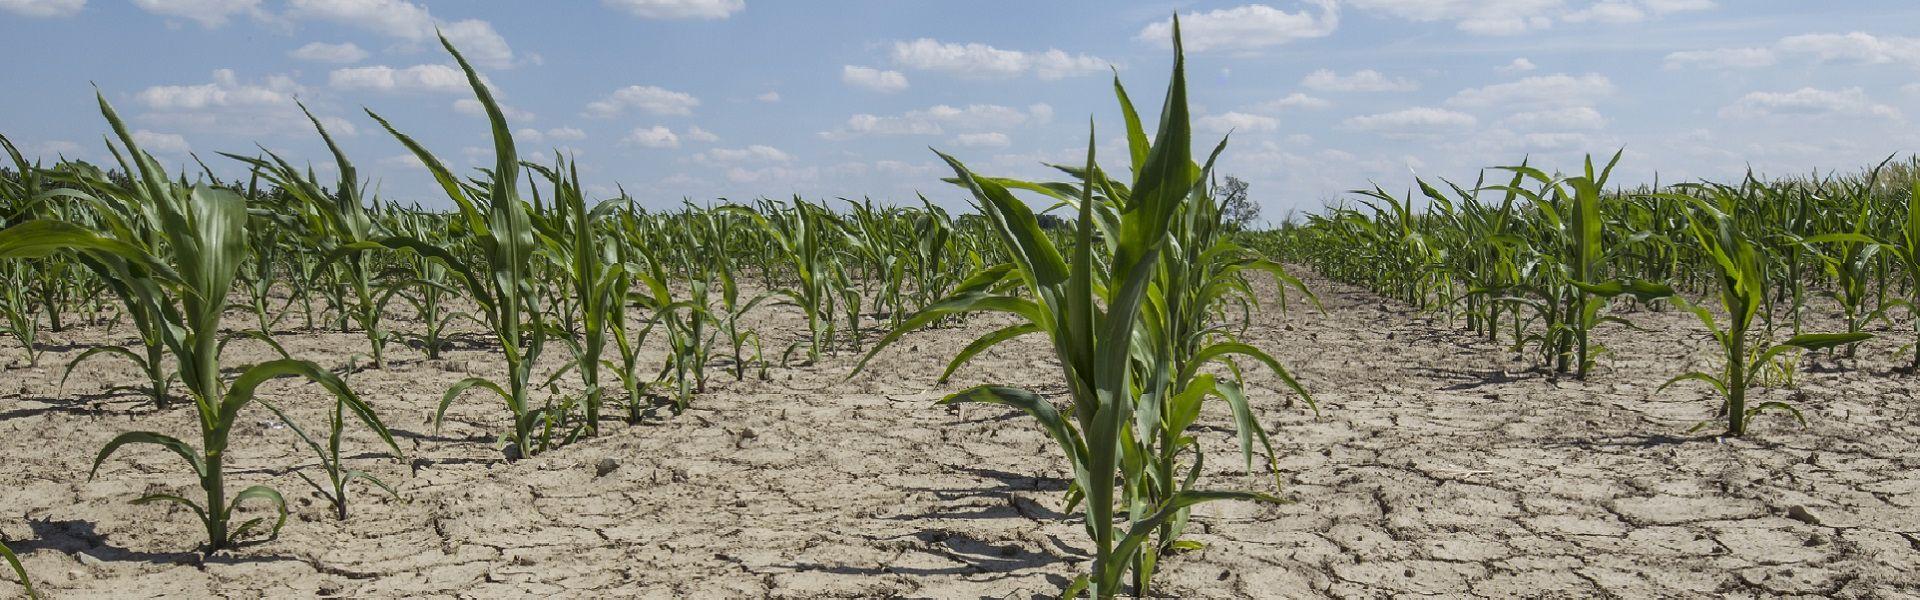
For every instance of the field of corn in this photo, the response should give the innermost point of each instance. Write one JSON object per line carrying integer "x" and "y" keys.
{"x": 1539, "y": 384}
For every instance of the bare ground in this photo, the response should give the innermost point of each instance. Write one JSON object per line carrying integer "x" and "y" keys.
{"x": 1438, "y": 465}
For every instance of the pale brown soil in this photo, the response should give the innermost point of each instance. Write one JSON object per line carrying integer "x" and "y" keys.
{"x": 1438, "y": 465}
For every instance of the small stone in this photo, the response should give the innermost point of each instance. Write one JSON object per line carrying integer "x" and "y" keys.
{"x": 604, "y": 466}
{"x": 1801, "y": 514}
{"x": 89, "y": 560}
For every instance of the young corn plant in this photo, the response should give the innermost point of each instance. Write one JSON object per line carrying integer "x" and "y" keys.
{"x": 341, "y": 219}
{"x": 1742, "y": 274}
{"x": 19, "y": 571}
{"x": 507, "y": 295}
{"x": 1578, "y": 287}
{"x": 1092, "y": 311}
{"x": 338, "y": 474}
{"x": 204, "y": 229}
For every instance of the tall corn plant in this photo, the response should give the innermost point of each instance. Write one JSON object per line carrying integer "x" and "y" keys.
{"x": 205, "y": 240}
{"x": 506, "y": 294}
{"x": 1742, "y": 271}
{"x": 1095, "y": 347}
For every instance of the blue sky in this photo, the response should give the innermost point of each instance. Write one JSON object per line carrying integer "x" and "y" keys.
{"x": 729, "y": 98}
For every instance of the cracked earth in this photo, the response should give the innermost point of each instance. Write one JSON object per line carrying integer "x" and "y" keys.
{"x": 1438, "y": 465}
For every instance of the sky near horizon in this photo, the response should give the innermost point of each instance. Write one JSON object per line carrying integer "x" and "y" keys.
{"x": 706, "y": 99}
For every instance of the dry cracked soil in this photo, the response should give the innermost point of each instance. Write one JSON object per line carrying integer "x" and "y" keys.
{"x": 1438, "y": 465}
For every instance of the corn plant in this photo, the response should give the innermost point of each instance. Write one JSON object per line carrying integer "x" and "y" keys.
{"x": 1095, "y": 347}
{"x": 18, "y": 570}
{"x": 343, "y": 230}
{"x": 1742, "y": 274}
{"x": 507, "y": 296}
{"x": 205, "y": 235}
{"x": 338, "y": 474}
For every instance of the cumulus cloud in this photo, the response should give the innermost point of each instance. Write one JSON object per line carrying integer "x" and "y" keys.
{"x": 938, "y": 119}
{"x": 556, "y": 134}
{"x": 696, "y": 134}
{"x": 1237, "y": 121}
{"x": 410, "y": 22}
{"x": 1512, "y": 17}
{"x": 1519, "y": 65}
{"x": 645, "y": 98}
{"x": 768, "y": 97}
{"x": 1575, "y": 117}
{"x": 983, "y": 61}
{"x": 161, "y": 143}
{"x": 1296, "y": 100}
{"x": 1721, "y": 58}
{"x": 759, "y": 153}
{"x": 1556, "y": 90}
{"x": 678, "y": 9}
{"x": 43, "y": 8}
{"x": 1416, "y": 120}
{"x": 993, "y": 139}
{"x": 1365, "y": 80}
{"x": 1243, "y": 28}
{"x": 873, "y": 79}
{"x": 226, "y": 104}
{"x": 472, "y": 107}
{"x": 653, "y": 137}
{"x": 1810, "y": 102}
{"x": 417, "y": 78}
{"x": 208, "y": 13}
{"x": 1854, "y": 47}
{"x": 329, "y": 53}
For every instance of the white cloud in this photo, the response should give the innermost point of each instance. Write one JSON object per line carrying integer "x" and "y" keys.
{"x": 1556, "y": 90}
{"x": 1416, "y": 120}
{"x": 228, "y": 105}
{"x": 1296, "y": 100}
{"x": 330, "y": 53}
{"x": 226, "y": 90}
{"x": 1575, "y": 117}
{"x": 696, "y": 134}
{"x": 557, "y": 134}
{"x": 768, "y": 97}
{"x": 43, "y": 8}
{"x": 1519, "y": 65}
{"x": 208, "y": 13}
{"x": 1610, "y": 11}
{"x": 982, "y": 140}
{"x": 873, "y": 79}
{"x": 161, "y": 143}
{"x": 645, "y": 98}
{"x": 1482, "y": 17}
{"x": 983, "y": 61}
{"x": 1854, "y": 47}
{"x": 678, "y": 9}
{"x": 1511, "y": 17}
{"x": 1236, "y": 121}
{"x": 1721, "y": 58}
{"x": 937, "y": 119}
{"x": 1911, "y": 89}
{"x": 1245, "y": 28}
{"x": 417, "y": 78}
{"x": 653, "y": 137}
{"x": 754, "y": 153}
{"x": 405, "y": 161}
{"x": 472, "y": 108}
{"x": 1810, "y": 102}
{"x": 788, "y": 175}
{"x": 404, "y": 20}
{"x": 1366, "y": 80}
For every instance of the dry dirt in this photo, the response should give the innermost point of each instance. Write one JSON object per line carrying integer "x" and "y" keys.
{"x": 1438, "y": 465}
